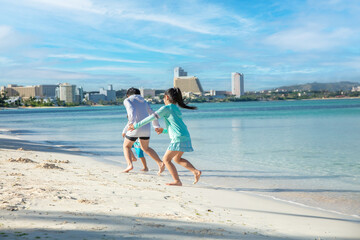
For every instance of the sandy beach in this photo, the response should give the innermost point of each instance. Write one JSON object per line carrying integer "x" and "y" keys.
{"x": 47, "y": 192}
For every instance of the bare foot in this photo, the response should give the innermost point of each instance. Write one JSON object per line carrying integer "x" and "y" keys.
{"x": 197, "y": 175}
{"x": 176, "y": 183}
{"x": 128, "y": 169}
{"x": 134, "y": 159}
{"x": 161, "y": 168}
{"x": 144, "y": 169}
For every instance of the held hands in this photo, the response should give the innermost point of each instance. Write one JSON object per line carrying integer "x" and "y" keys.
{"x": 123, "y": 135}
{"x": 159, "y": 130}
{"x": 131, "y": 127}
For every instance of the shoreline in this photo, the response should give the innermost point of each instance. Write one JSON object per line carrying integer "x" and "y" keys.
{"x": 331, "y": 204}
{"x": 86, "y": 196}
{"x": 98, "y": 105}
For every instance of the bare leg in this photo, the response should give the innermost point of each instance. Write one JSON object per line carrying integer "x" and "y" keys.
{"x": 149, "y": 151}
{"x": 172, "y": 169}
{"x": 127, "y": 153}
{"x": 143, "y": 160}
{"x": 132, "y": 156}
{"x": 186, "y": 164}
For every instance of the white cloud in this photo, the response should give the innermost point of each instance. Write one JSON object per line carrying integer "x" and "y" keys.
{"x": 42, "y": 74}
{"x": 5, "y": 31}
{"x": 93, "y": 58}
{"x": 124, "y": 69}
{"x": 75, "y": 5}
{"x": 183, "y": 23}
{"x": 192, "y": 16}
{"x": 6, "y": 61}
{"x": 305, "y": 39}
{"x": 172, "y": 50}
{"x": 353, "y": 63}
{"x": 10, "y": 39}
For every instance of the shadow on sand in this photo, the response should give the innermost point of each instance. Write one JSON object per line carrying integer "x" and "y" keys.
{"x": 15, "y": 144}
{"x": 82, "y": 225}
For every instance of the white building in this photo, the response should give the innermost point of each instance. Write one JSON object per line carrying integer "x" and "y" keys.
{"x": 95, "y": 97}
{"x": 103, "y": 95}
{"x": 179, "y": 72}
{"x": 217, "y": 93}
{"x": 237, "y": 84}
{"x": 355, "y": 89}
{"x": 147, "y": 92}
{"x": 66, "y": 92}
{"x": 110, "y": 93}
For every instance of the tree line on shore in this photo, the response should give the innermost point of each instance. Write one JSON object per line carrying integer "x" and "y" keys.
{"x": 248, "y": 96}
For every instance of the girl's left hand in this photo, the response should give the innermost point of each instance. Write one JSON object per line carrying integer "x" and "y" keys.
{"x": 131, "y": 127}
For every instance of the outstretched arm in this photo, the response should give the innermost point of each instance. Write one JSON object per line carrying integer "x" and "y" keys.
{"x": 162, "y": 112}
{"x": 155, "y": 122}
{"x": 142, "y": 122}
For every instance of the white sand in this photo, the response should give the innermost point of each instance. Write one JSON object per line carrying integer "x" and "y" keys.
{"x": 63, "y": 195}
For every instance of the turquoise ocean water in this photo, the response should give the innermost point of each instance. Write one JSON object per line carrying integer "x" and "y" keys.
{"x": 301, "y": 151}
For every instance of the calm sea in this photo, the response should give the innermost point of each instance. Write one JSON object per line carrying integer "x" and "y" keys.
{"x": 301, "y": 151}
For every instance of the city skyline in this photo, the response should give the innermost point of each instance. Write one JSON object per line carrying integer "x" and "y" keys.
{"x": 92, "y": 43}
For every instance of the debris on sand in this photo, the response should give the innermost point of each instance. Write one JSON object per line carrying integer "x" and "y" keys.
{"x": 22, "y": 160}
{"x": 49, "y": 166}
{"x": 58, "y": 161}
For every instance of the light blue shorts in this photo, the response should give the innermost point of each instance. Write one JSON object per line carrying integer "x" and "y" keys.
{"x": 138, "y": 150}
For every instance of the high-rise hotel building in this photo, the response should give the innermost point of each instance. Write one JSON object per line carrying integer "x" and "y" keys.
{"x": 66, "y": 92}
{"x": 187, "y": 84}
{"x": 237, "y": 84}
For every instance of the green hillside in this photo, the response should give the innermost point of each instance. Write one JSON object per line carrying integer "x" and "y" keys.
{"x": 331, "y": 87}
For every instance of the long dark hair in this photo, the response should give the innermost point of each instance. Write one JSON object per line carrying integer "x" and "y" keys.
{"x": 176, "y": 98}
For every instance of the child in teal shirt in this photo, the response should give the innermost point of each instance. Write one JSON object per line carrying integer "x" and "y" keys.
{"x": 178, "y": 133}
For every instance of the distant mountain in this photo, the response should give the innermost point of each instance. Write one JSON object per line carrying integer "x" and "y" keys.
{"x": 331, "y": 87}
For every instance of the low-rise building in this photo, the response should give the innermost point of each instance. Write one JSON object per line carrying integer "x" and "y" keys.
{"x": 217, "y": 93}
{"x": 38, "y": 91}
{"x": 355, "y": 89}
{"x": 146, "y": 93}
{"x": 95, "y": 97}
{"x": 108, "y": 95}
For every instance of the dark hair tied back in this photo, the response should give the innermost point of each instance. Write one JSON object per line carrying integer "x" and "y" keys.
{"x": 176, "y": 97}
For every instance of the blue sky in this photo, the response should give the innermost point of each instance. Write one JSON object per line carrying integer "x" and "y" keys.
{"x": 138, "y": 43}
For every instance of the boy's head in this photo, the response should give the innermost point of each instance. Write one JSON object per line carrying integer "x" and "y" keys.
{"x": 132, "y": 91}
